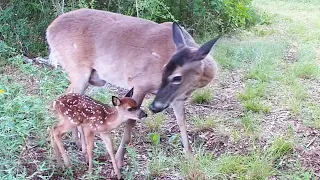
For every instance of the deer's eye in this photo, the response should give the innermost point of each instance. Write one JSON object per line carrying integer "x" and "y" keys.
{"x": 176, "y": 80}
{"x": 130, "y": 109}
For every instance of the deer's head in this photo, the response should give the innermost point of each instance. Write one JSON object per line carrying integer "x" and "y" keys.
{"x": 182, "y": 74}
{"x": 127, "y": 107}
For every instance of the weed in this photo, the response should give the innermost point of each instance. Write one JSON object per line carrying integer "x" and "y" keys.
{"x": 158, "y": 164}
{"x": 255, "y": 105}
{"x": 251, "y": 124}
{"x": 263, "y": 70}
{"x": 203, "y": 124}
{"x": 155, "y": 138}
{"x": 200, "y": 167}
{"x": 280, "y": 147}
{"x": 253, "y": 91}
{"x": 202, "y": 96}
{"x": 306, "y": 70}
{"x": 155, "y": 123}
{"x": 255, "y": 166}
{"x": 131, "y": 169}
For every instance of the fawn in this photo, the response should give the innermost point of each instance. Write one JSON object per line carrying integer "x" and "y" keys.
{"x": 94, "y": 117}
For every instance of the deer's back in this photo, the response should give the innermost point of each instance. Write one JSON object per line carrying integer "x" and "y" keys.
{"x": 123, "y": 50}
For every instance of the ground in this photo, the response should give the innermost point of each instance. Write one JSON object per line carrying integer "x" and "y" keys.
{"x": 259, "y": 119}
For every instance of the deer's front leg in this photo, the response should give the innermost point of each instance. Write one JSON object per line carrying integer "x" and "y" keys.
{"x": 179, "y": 112}
{"x": 107, "y": 141}
{"x": 138, "y": 96}
{"x": 126, "y": 138}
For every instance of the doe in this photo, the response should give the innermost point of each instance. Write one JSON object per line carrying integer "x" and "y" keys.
{"x": 94, "y": 117}
{"x": 161, "y": 59}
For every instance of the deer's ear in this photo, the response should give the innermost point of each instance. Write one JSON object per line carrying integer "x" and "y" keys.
{"x": 116, "y": 101}
{"x": 130, "y": 93}
{"x": 204, "y": 50}
{"x": 178, "y": 38}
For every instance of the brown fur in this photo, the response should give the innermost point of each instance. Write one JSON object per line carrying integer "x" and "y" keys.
{"x": 94, "y": 117}
{"x": 96, "y": 46}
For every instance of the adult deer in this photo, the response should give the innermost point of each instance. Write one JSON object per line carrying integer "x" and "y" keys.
{"x": 95, "y": 47}
{"x": 94, "y": 117}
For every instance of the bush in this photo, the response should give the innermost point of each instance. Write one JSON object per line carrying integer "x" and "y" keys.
{"x": 23, "y": 22}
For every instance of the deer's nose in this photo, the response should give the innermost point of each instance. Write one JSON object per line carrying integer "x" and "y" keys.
{"x": 142, "y": 114}
{"x": 156, "y": 107}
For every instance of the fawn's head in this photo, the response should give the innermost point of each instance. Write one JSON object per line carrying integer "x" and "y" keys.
{"x": 127, "y": 107}
{"x": 183, "y": 73}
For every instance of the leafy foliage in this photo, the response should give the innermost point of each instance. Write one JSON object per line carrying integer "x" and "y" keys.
{"x": 24, "y": 22}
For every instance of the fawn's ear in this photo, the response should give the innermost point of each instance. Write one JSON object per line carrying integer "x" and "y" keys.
{"x": 116, "y": 101}
{"x": 130, "y": 93}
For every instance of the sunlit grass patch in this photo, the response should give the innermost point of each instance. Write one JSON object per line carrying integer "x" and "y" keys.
{"x": 240, "y": 54}
{"x": 264, "y": 70}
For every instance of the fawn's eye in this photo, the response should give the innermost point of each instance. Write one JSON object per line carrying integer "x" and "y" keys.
{"x": 176, "y": 80}
{"x": 130, "y": 109}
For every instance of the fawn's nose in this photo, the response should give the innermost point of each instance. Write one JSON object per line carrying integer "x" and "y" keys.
{"x": 142, "y": 114}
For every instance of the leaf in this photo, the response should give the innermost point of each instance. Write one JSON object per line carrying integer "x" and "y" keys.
{"x": 175, "y": 139}
{"x": 155, "y": 138}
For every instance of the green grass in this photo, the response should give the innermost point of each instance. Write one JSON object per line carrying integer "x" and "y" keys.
{"x": 202, "y": 124}
{"x": 253, "y": 91}
{"x": 202, "y": 96}
{"x": 251, "y": 124}
{"x": 205, "y": 166}
{"x": 155, "y": 123}
{"x": 280, "y": 147}
{"x": 159, "y": 163}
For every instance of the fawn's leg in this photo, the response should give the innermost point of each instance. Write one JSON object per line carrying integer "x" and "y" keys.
{"x": 79, "y": 82}
{"x": 178, "y": 108}
{"x": 55, "y": 148}
{"x": 126, "y": 138}
{"x": 57, "y": 132}
{"x": 89, "y": 137}
{"x": 107, "y": 141}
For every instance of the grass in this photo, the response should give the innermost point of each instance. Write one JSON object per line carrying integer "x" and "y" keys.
{"x": 202, "y": 96}
{"x": 159, "y": 163}
{"x": 155, "y": 124}
{"x": 202, "y": 124}
{"x": 280, "y": 147}
{"x": 205, "y": 166}
{"x": 260, "y": 141}
{"x": 251, "y": 124}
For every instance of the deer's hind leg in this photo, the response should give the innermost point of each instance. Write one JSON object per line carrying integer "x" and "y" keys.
{"x": 89, "y": 138}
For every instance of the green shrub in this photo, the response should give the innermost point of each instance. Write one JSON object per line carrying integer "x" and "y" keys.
{"x": 23, "y": 22}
